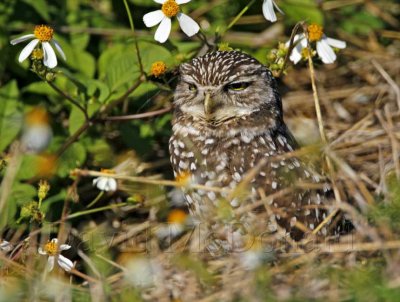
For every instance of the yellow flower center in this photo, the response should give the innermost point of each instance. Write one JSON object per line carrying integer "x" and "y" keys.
{"x": 305, "y": 53}
{"x": 177, "y": 216}
{"x": 51, "y": 248}
{"x": 43, "y": 32}
{"x": 170, "y": 8}
{"x": 158, "y": 68}
{"x": 37, "y": 54}
{"x": 315, "y": 32}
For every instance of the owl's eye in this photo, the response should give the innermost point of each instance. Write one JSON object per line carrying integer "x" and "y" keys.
{"x": 192, "y": 87}
{"x": 238, "y": 86}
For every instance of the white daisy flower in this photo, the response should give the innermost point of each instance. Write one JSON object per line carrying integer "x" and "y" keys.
{"x": 268, "y": 10}
{"x": 106, "y": 183}
{"x": 6, "y": 246}
{"x": 52, "y": 249}
{"x": 42, "y": 34}
{"x": 176, "y": 225}
{"x": 324, "y": 45}
{"x": 37, "y": 133}
{"x": 169, "y": 9}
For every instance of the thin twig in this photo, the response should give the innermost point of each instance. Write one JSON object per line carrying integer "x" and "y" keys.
{"x": 290, "y": 48}
{"x": 238, "y": 16}
{"x": 106, "y": 109}
{"x": 137, "y": 116}
{"x": 69, "y": 98}
{"x": 146, "y": 180}
{"x": 139, "y": 58}
{"x": 72, "y": 139}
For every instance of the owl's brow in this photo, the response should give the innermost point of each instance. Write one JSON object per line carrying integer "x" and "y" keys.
{"x": 239, "y": 79}
{"x": 188, "y": 79}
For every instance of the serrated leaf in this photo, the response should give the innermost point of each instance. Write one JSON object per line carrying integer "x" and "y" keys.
{"x": 118, "y": 65}
{"x": 10, "y": 114}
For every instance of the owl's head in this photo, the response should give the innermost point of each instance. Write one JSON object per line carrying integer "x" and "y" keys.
{"x": 224, "y": 86}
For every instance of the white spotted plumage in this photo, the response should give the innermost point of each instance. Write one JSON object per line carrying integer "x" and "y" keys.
{"x": 242, "y": 128}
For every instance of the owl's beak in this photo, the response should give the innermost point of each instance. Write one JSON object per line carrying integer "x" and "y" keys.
{"x": 209, "y": 104}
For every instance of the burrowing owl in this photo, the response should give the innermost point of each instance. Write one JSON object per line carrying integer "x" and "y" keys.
{"x": 228, "y": 124}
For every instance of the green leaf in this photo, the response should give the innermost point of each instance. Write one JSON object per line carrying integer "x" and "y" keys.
{"x": 29, "y": 167}
{"x": 20, "y": 194}
{"x": 77, "y": 58}
{"x": 118, "y": 66}
{"x": 41, "y": 7}
{"x": 76, "y": 120}
{"x": 39, "y": 88}
{"x": 143, "y": 3}
{"x": 307, "y": 10}
{"x": 151, "y": 52}
{"x": 71, "y": 159}
{"x": 362, "y": 23}
{"x": 10, "y": 114}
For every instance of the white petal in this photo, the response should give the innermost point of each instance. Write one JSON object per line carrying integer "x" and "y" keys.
{"x": 163, "y": 30}
{"x": 65, "y": 263}
{"x": 41, "y": 251}
{"x": 27, "y": 50}
{"x": 102, "y": 183}
{"x": 153, "y": 18}
{"x": 59, "y": 49}
{"x": 295, "y": 39}
{"x": 96, "y": 180}
{"x": 22, "y": 39}
{"x": 336, "y": 43}
{"x": 160, "y": 1}
{"x": 54, "y": 240}
{"x": 182, "y": 1}
{"x": 64, "y": 247}
{"x": 50, "y": 263}
{"x": 268, "y": 10}
{"x": 188, "y": 25}
{"x": 49, "y": 56}
{"x": 295, "y": 56}
{"x": 112, "y": 184}
{"x": 325, "y": 52}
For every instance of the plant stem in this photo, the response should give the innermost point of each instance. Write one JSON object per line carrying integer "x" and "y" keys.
{"x": 91, "y": 211}
{"x": 101, "y": 193}
{"x": 69, "y": 98}
{"x": 134, "y": 37}
{"x": 319, "y": 115}
{"x": 233, "y": 22}
{"x": 116, "y": 102}
{"x": 72, "y": 139}
{"x": 137, "y": 116}
{"x": 291, "y": 46}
